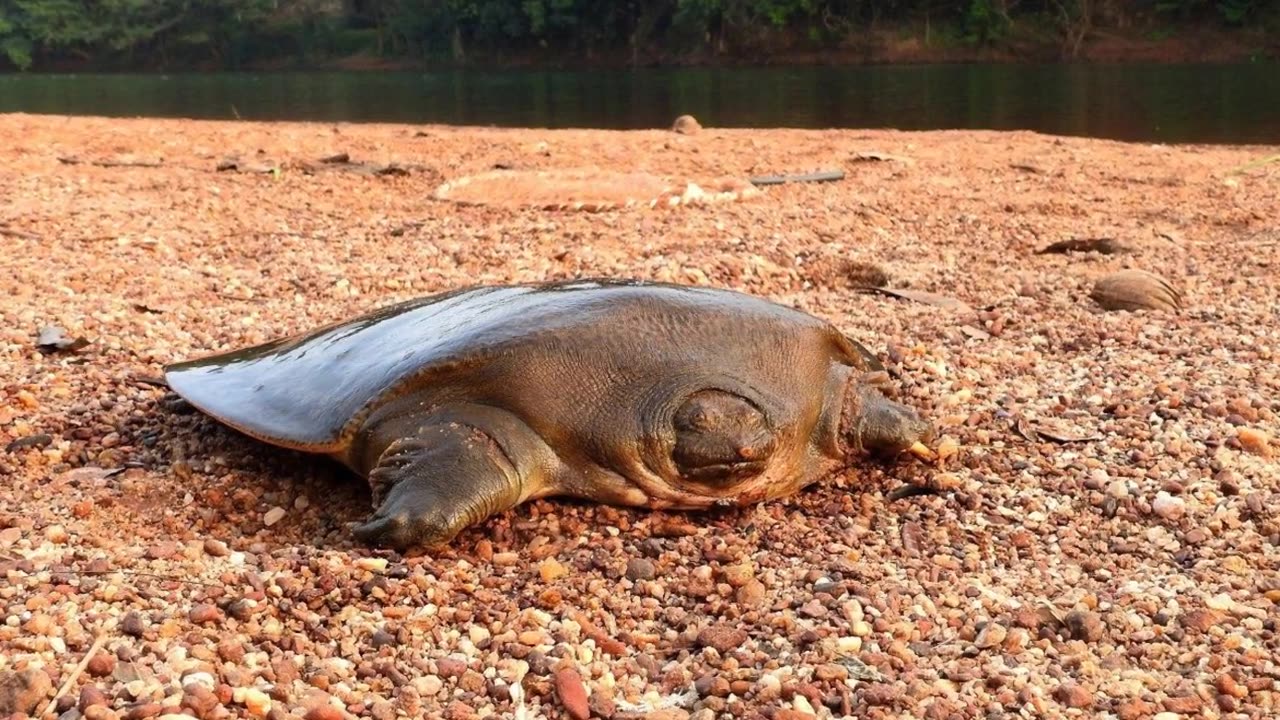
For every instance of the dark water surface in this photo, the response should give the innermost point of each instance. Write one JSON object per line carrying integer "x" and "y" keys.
{"x": 1156, "y": 103}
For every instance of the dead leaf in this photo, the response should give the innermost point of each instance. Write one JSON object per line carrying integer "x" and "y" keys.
{"x": 910, "y": 490}
{"x": 673, "y": 527}
{"x": 85, "y": 475}
{"x": 919, "y": 296}
{"x": 859, "y": 670}
{"x": 1024, "y": 428}
{"x": 40, "y": 440}
{"x": 912, "y": 537}
{"x": 1055, "y": 431}
{"x": 1104, "y": 245}
{"x": 53, "y": 339}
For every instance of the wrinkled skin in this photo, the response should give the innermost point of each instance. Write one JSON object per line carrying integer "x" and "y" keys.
{"x": 644, "y": 395}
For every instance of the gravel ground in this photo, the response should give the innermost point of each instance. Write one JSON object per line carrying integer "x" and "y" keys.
{"x": 1102, "y": 541}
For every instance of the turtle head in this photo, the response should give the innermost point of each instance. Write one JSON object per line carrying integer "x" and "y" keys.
{"x": 873, "y": 424}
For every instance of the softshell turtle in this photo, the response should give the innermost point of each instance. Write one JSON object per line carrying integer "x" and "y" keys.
{"x": 464, "y": 404}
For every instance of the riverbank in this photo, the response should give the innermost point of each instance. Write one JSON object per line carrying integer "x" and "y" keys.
{"x": 1103, "y": 540}
{"x": 908, "y": 45}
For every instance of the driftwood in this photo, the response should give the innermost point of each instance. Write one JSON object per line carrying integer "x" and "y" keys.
{"x": 824, "y": 176}
{"x": 98, "y": 642}
{"x": 919, "y": 296}
{"x": 6, "y": 230}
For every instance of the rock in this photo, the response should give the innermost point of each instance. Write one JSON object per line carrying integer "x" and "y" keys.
{"x": 142, "y": 711}
{"x": 382, "y": 710}
{"x": 382, "y": 638}
{"x": 200, "y": 700}
{"x": 133, "y": 624}
{"x": 752, "y": 593}
{"x": 1201, "y": 620}
{"x": 1253, "y": 441}
{"x": 1135, "y": 290}
{"x": 1184, "y": 705}
{"x": 738, "y": 575}
{"x": 450, "y": 667}
{"x": 1228, "y": 685}
{"x": 201, "y": 679}
{"x": 273, "y": 516}
{"x": 880, "y": 694}
{"x": 1168, "y": 507}
{"x": 162, "y": 551}
{"x": 686, "y": 125}
{"x": 813, "y": 609}
{"x": 100, "y": 712}
{"x": 325, "y": 711}
{"x": 722, "y": 637}
{"x": 1086, "y": 626}
{"x": 1073, "y": 695}
{"x": 641, "y": 569}
{"x": 1134, "y": 709}
{"x": 101, "y": 664}
{"x": 551, "y": 570}
{"x": 22, "y": 692}
{"x": 255, "y": 701}
{"x": 241, "y": 609}
{"x": 204, "y": 614}
{"x": 91, "y": 695}
{"x": 216, "y": 548}
{"x": 572, "y": 693}
{"x": 472, "y": 682}
{"x": 428, "y": 685}
{"x": 992, "y": 635}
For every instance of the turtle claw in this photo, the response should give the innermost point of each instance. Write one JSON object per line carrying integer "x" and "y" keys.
{"x": 431, "y": 486}
{"x": 409, "y": 517}
{"x": 394, "y": 532}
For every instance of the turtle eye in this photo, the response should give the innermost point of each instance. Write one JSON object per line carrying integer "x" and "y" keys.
{"x": 720, "y": 438}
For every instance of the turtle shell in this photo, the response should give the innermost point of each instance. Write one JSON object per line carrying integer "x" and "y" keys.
{"x": 310, "y": 391}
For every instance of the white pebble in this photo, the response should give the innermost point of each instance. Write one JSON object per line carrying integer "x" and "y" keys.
{"x": 273, "y": 516}
{"x": 1168, "y": 507}
{"x": 202, "y": 679}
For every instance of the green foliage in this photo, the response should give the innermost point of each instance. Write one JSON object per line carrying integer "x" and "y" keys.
{"x": 227, "y": 33}
{"x": 984, "y": 22}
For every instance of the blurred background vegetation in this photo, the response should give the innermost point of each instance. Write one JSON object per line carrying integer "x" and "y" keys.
{"x": 235, "y": 34}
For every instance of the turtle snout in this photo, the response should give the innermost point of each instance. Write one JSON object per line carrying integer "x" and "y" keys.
{"x": 889, "y": 428}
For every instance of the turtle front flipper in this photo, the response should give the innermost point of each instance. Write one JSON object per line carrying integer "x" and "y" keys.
{"x": 449, "y": 475}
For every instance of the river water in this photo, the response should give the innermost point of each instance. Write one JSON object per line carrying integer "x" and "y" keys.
{"x": 1237, "y": 103}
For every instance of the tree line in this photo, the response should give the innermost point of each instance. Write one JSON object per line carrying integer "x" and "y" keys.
{"x": 227, "y": 34}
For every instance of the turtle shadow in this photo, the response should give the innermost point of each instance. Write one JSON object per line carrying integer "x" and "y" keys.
{"x": 197, "y": 450}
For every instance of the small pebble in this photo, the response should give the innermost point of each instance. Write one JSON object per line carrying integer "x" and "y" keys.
{"x": 1168, "y": 506}
{"x": 273, "y": 516}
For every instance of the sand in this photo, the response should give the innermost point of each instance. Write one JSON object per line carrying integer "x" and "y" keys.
{"x": 1101, "y": 540}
